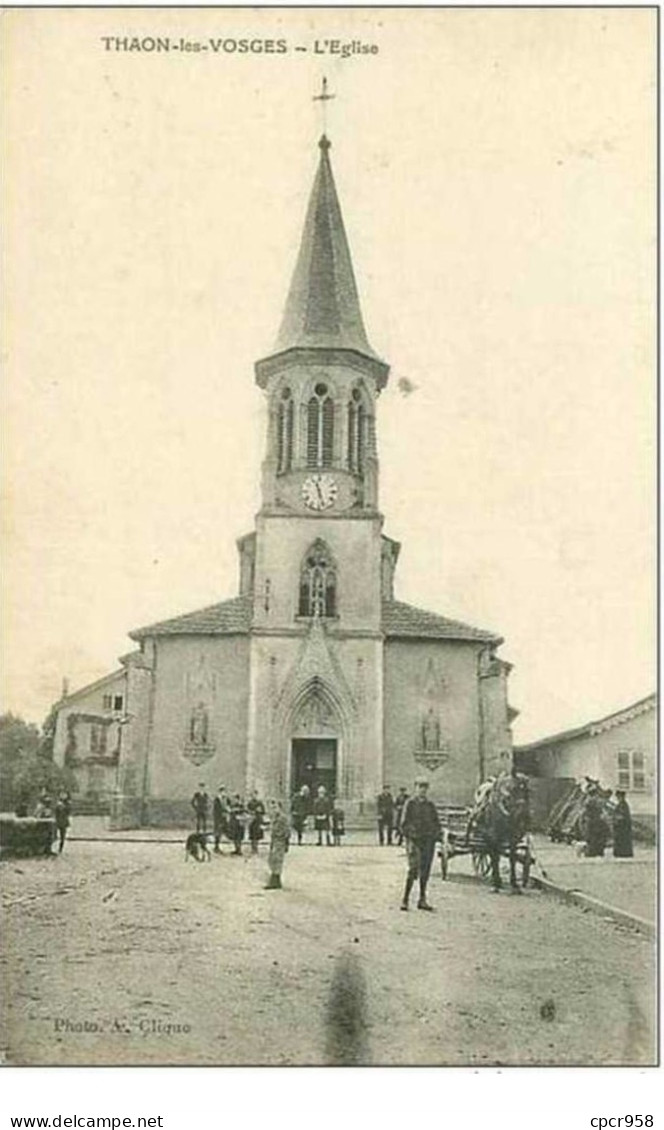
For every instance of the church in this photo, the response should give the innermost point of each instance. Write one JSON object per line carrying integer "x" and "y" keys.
{"x": 313, "y": 673}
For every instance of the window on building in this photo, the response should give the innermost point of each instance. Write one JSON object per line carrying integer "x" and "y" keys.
{"x": 638, "y": 770}
{"x": 631, "y": 769}
{"x": 356, "y": 432}
{"x": 285, "y": 431}
{"x": 320, "y": 428}
{"x": 97, "y": 738}
{"x": 117, "y": 702}
{"x": 108, "y": 702}
{"x": 318, "y": 582}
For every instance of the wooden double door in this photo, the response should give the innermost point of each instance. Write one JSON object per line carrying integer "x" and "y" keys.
{"x": 314, "y": 763}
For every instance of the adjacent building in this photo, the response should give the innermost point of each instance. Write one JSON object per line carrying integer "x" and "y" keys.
{"x": 620, "y": 751}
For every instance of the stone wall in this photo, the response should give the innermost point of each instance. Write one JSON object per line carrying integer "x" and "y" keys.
{"x": 432, "y": 684}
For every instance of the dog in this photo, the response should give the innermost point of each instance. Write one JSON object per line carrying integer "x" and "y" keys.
{"x": 196, "y": 847}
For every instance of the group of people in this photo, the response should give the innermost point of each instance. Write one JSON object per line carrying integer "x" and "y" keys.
{"x": 604, "y": 818}
{"x": 328, "y": 817}
{"x": 415, "y": 820}
{"x": 390, "y": 810}
{"x": 58, "y": 810}
{"x": 594, "y": 816}
{"x": 233, "y": 818}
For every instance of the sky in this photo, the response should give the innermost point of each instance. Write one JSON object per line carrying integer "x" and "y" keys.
{"x": 496, "y": 174}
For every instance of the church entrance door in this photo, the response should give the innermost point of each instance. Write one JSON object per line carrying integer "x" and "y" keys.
{"x": 314, "y": 763}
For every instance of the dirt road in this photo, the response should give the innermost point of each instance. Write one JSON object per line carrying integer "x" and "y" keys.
{"x": 125, "y": 954}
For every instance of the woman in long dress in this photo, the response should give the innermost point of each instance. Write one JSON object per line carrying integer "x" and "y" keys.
{"x": 279, "y": 840}
{"x": 623, "y": 846}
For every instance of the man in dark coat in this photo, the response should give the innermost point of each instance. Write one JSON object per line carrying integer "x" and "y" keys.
{"x": 385, "y": 810}
{"x": 623, "y": 845}
{"x": 220, "y": 817}
{"x": 421, "y": 829}
{"x": 200, "y": 803}
{"x": 399, "y": 805}
{"x": 61, "y": 813}
{"x": 300, "y": 807}
{"x": 256, "y": 811}
{"x": 238, "y": 819}
{"x": 338, "y": 825}
{"x": 595, "y": 823}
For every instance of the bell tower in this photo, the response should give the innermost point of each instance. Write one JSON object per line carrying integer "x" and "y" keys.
{"x": 323, "y": 379}
{"x": 320, "y": 472}
{"x": 314, "y": 568}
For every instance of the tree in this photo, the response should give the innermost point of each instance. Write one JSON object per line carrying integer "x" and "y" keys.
{"x": 26, "y": 763}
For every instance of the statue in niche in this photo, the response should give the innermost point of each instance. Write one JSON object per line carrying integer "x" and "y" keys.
{"x": 198, "y": 725}
{"x": 430, "y": 730}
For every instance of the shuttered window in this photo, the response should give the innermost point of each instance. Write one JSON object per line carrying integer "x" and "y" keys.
{"x": 320, "y": 428}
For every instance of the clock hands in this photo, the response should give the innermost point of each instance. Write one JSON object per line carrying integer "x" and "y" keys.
{"x": 319, "y": 491}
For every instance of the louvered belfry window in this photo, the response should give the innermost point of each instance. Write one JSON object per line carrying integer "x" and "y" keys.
{"x": 285, "y": 431}
{"x": 318, "y": 582}
{"x": 356, "y": 432}
{"x": 320, "y": 428}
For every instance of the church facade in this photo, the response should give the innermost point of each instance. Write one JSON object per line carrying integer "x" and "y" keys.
{"x": 313, "y": 673}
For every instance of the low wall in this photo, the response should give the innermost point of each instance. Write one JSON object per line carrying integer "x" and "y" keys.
{"x": 25, "y": 836}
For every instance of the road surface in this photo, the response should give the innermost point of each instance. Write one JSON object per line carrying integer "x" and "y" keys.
{"x": 123, "y": 953}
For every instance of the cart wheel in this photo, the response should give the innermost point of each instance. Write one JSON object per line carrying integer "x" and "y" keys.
{"x": 481, "y": 864}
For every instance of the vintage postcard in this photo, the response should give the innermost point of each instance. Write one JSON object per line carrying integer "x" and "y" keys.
{"x": 329, "y": 706}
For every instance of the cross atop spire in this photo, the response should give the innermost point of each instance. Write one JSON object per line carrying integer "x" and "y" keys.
{"x": 324, "y": 97}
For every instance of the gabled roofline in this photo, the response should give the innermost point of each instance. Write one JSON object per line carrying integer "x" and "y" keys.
{"x": 114, "y": 675}
{"x": 592, "y": 729}
{"x": 435, "y": 626}
{"x": 182, "y": 625}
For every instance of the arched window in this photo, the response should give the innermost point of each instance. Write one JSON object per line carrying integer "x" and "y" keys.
{"x": 320, "y": 428}
{"x": 357, "y": 428}
{"x": 318, "y": 582}
{"x": 285, "y": 431}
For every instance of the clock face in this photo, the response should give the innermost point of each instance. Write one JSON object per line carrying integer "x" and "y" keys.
{"x": 319, "y": 492}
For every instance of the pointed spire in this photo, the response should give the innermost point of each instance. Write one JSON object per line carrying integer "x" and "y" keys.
{"x": 323, "y": 307}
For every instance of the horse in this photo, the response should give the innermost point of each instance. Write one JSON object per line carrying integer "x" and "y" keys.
{"x": 501, "y": 822}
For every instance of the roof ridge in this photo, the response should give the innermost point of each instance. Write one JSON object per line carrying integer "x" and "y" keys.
{"x": 431, "y": 620}
{"x": 241, "y": 600}
{"x": 598, "y": 725}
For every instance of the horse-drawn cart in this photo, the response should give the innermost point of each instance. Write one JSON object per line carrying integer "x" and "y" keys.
{"x": 465, "y": 833}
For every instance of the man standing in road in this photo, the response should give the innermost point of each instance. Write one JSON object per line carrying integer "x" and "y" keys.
{"x": 200, "y": 803}
{"x": 220, "y": 818}
{"x": 322, "y": 813}
{"x": 385, "y": 810}
{"x": 61, "y": 814}
{"x": 399, "y": 805}
{"x": 421, "y": 829}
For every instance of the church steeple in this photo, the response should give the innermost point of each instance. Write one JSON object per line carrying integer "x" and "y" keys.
{"x": 323, "y": 308}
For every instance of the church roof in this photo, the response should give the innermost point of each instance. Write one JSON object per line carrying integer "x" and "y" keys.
{"x": 229, "y": 618}
{"x": 323, "y": 307}
{"x": 404, "y": 620}
{"x": 233, "y": 617}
